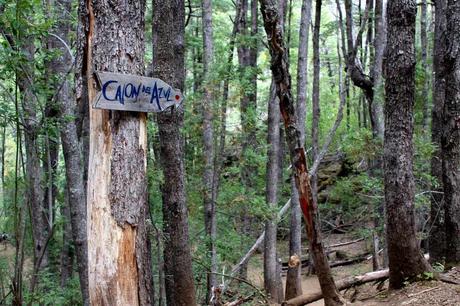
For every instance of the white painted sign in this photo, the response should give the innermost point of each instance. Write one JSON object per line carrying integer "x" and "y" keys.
{"x": 135, "y": 93}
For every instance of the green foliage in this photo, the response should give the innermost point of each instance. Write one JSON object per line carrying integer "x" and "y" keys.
{"x": 50, "y": 294}
{"x": 438, "y": 267}
{"x": 354, "y": 197}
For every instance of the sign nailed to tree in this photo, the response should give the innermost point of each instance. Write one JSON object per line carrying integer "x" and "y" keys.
{"x": 134, "y": 93}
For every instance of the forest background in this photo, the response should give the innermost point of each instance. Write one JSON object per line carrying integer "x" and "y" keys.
{"x": 236, "y": 166}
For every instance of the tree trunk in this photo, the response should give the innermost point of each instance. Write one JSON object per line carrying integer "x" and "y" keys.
{"x": 315, "y": 95}
{"x": 34, "y": 173}
{"x": 355, "y": 69}
{"x": 450, "y": 140}
{"x": 293, "y": 277}
{"x": 282, "y": 80}
{"x": 74, "y": 209}
{"x": 377, "y": 65}
{"x": 437, "y": 240}
{"x": 376, "y": 111}
{"x": 247, "y": 59}
{"x": 274, "y": 179}
{"x": 67, "y": 254}
{"x": 118, "y": 245}
{"x": 169, "y": 65}
{"x": 426, "y": 79}
{"x": 72, "y": 151}
{"x": 270, "y": 256}
{"x": 208, "y": 146}
{"x": 405, "y": 258}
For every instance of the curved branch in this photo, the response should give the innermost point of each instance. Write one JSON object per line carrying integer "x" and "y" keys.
{"x": 65, "y": 45}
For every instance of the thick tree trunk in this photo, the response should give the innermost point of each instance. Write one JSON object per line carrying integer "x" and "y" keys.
{"x": 450, "y": 140}
{"x": 119, "y": 260}
{"x": 293, "y": 278}
{"x": 405, "y": 258}
{"x": 169, "y": 65}
{"x": 282, "y": 80}
{"x": 437, "y": 240}
{"x": 208, "y": 146}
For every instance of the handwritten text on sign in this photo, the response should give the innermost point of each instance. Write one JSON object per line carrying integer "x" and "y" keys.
{"x": 135, "y": 93}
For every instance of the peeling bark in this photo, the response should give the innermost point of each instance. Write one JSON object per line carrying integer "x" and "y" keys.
{"x": 119, "y": 268}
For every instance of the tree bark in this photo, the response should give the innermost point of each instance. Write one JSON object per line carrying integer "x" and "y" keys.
{"x": 275, "y": 142}
{"x": 437, "y": 240}
{"x": 424, "y": 49}
{"x": 208, "y": 146}
{"x": 270, "y": 256}
{"x": 34, "y": 172}
{"x": 355, "y": 69}
{"x": 169, "y": 65}
{"x": 72, "y": 151}
{"x": 282, "y": 80}
{"x": 450, "y": 139}
{"x": 74, "y": 209}
{"x": 405, "y": 258}
{"x": 67, "y": 253}
{"x": 315, "y": 96}
{"x": 377, "y": 65}
{"x": 119, "y": 260}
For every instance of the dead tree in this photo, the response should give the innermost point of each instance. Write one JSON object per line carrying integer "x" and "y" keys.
{"x": 119, "y": 264}
{"x": 282, "y": 79}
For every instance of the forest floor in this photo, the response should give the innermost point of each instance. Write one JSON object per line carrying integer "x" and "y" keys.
{"x": 426, "y": 293}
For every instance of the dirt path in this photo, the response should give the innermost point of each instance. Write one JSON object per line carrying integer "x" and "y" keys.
{"x": 425, "y": 293}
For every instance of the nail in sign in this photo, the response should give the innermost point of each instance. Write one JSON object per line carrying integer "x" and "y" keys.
{"x": 134, "y": 93}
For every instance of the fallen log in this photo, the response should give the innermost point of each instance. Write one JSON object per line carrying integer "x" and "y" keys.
{"x": 350, "y": 261}
{"x": 341, "y": 285}
{"x": 344, "y": 243}
{"x": 240, "y": 301}
{"x": 356, "y": 281}
{"x": 357, "y": 259}
{"x": 338, "y": 244}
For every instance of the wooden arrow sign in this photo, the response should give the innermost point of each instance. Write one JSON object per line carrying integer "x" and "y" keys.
{"x": 134, "y": 93}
